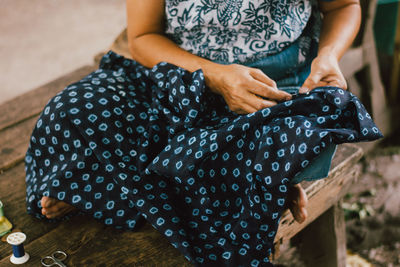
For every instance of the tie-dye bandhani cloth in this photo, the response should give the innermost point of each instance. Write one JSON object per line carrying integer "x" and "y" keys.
{"x": 127, "y": 141}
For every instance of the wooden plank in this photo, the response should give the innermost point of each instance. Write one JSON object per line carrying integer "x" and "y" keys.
{"x": 86, "y": 241}
{"x": 146, "y": 247}
{"x": 12, "y": 194}
{"x": 32, "y": 102}
{"x": 90, "y": 243}
{"x": 14, "y": 142}
{"x": 327, "y": 247}
{"x": 324, "y": 193}
{"x": 68, "y": 236}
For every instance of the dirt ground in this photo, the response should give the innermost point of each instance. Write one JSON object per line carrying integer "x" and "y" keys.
{"x": 372, "y": 211}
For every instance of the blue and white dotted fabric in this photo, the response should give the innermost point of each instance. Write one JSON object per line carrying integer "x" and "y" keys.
{"x": 127, "y": 141}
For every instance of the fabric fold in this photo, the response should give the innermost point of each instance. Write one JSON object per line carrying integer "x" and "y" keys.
{"x": 127, "y": 141}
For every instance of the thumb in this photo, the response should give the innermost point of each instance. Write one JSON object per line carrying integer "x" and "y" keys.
{"x": 311, "y": 82}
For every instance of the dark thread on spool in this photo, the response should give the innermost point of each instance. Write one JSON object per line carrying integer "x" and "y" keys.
{"x": 19, "y": 255}
{"x": 18, "y": 250}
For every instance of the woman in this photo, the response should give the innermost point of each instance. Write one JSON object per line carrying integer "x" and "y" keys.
{"x": 167, "y": 143}
{"x": 239, "y": 85}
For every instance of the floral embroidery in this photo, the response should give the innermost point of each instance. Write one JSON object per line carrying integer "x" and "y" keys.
{"x": 239, "y": 30}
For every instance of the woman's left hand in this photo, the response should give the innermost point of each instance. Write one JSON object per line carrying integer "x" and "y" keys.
{"x": 325, "y": 71}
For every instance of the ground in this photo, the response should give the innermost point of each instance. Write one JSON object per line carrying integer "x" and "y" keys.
{"x": 373, "y": 209}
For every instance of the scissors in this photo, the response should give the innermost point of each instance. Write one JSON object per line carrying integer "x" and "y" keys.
{"x": 55, "y": 259}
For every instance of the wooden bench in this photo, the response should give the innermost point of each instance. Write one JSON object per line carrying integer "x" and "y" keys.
{"x": 90, "y": 243}
{"x": 360, "y": 67}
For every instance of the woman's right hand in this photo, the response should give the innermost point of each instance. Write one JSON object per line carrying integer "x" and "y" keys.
{"x": 242, "y": 87}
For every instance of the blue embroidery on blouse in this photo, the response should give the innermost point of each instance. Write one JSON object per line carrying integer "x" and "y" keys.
{"x": 241, "y": 30}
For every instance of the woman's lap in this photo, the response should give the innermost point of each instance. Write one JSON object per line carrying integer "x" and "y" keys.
{"x": 82, "y": 140}
{"x": 129, "y": 133}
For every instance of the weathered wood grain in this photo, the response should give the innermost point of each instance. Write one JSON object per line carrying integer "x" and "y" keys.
{"x": 32, "y": 102}
{"x": 12, "y": 194}
{"x": 14, "y": 142}
{"x": 324, "y": 193}
{"x": 68, "y": 236}
{"x": 146, "y": 247}
{"x": 18, "y": 117}
{"x": 327, "y": 247}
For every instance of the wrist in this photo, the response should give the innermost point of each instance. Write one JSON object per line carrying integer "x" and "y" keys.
{"x": 330, "y": 52}
{"x": 210, "y": 69}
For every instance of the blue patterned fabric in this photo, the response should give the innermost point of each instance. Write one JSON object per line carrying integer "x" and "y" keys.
{"x": 127, "y": 141}
{"x": 239, "y": 31}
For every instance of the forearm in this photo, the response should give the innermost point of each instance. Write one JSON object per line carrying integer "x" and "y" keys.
{"x": 240, "y": 86}
{"x": 339, "y": 28}
{"x": 152, "y": 48}
{"x": 244, "y": 89}
{"x": 147, "y": 43}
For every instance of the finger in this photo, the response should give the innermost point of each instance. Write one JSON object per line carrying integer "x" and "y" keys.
{"x": 295, "y": 211}
{"x": 299, "y": 213}
{"x": 338, "y": 83}
{"x": 44, "y": 202}
{"x": 259, "y": 103}
{"x": 245, "y": 109}
{"x": 47, "y": 202}
{"x": 302, "y": 198}
{"x": 302, "y": 215}
{"x": 55, "y": 211}
{"x": 46, "y": 212}
{"x": 261, "y": 89}
{"x": 262, "y": 77}
{"x": 297, "y": 202}
{"x": 266, "y": 83}
{"x": 311, "y": 82}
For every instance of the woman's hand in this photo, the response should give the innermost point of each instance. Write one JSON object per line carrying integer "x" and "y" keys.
{"x": 242, "y": 87}
{"x": 341, "y": 21}
{"x": 325, "y": 71}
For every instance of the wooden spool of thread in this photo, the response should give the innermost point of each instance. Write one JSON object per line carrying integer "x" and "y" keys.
{"x": 16, "y": 240}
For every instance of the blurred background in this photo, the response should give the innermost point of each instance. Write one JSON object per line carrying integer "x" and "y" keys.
{"x": 41, "y": 40}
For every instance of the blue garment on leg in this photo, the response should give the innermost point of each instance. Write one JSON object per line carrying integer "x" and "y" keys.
{"x": 289, "y": 75}
{"x": 127, "y": 141}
